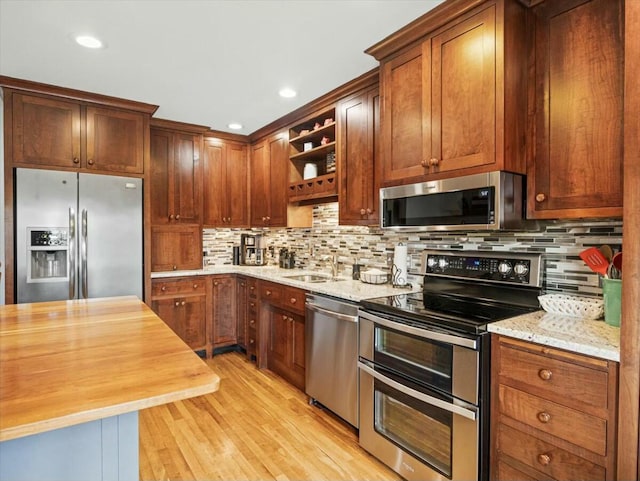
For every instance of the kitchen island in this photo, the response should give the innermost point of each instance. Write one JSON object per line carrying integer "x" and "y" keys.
{"x": 73, "y": 376}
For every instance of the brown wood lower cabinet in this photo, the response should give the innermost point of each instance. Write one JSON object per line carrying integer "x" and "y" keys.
{"x": 282, "y": 331}
{"x": 183, "y": 305}
{"x": 553, "y": 413}
{"x": 225, "y": 330}
{"x": 253, "y": 318}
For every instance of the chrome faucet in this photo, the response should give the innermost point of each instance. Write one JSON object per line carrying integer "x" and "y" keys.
{"x": 334, "y": 266}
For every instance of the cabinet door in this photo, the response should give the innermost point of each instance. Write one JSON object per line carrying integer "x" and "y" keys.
{"x": 176, "y": 248}
{"x": 237, "y": 181}
{"x": 115, "y": 141}
{"x": 357, "y": 136}
{"x": 406, "y": 114}
{"x": 260, "y": 184}
{"x": 161, "y": 168}
{"x": 186, "y": 316}
{"x": 577, "y": 169}
{"x": 215, "y": 194}
{"x": 277, "y": 348}
{"x": 194, "y": 312}
{"x": 278, "y": 146}
{"x": 187, "y": 178}
{"x": 224, "y": 311}
{"x": 46, "y": 132}
{"x": 241, "y": 311}
{"x": 463, "y": 112}
{"x": 297, "y": 350}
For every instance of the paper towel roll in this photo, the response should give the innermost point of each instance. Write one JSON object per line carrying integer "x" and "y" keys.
{"x": 399, "y": 270}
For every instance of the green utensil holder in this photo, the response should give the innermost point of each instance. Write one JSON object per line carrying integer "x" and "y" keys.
{"x": 612, "y": 294}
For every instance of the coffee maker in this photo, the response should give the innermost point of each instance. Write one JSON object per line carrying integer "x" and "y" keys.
{"x": 253, "y": 250}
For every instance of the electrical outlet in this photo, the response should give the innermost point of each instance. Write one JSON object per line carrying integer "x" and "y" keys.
{"x": 390, "y": 259}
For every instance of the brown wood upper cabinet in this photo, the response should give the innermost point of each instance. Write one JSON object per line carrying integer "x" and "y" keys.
{"x": 576, "y": 168}
{"x": 176, "y": 175}
{"x": 51, "y": 132}
{"x": 358, "y": 138}
{"x": 269, "y": 167}
{"x": 452, "y": 98}
{"x": 226, "y": 178}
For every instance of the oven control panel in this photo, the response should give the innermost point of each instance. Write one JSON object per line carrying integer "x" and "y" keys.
{"x": 508, "y": 268}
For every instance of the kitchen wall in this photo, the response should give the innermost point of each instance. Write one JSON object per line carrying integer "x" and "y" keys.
{"x": 559, "y": 242}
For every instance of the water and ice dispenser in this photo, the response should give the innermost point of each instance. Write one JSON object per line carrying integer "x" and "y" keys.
{"x": 47, "y": 254}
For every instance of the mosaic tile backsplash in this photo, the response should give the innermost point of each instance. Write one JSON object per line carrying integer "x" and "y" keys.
{"x": 558, "y": 242}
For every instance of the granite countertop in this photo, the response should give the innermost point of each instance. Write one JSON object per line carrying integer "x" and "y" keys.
{"x": 345, "y": 288}
{"x": 593, "y": 338}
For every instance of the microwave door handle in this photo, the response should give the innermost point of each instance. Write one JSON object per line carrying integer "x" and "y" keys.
{"x": 72, "y": 253}
{"x": 423, "y": 333}
{"x": 452, "y": 408}
{"x": 83, "y": 257}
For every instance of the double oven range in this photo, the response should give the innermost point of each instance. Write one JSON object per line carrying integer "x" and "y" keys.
{"x": 424, "y": 362}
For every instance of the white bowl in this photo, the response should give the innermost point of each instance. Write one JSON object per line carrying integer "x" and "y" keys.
{"x": 374, "y": 276}
{"x": 574, "y": 306}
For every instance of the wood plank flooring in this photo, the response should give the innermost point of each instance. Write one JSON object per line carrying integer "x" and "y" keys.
{"x": 256, "y": 427}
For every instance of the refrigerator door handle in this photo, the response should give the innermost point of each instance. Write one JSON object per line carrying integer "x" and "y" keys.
{"x": 83, "y": 257}
{"x": 72, "y": 253}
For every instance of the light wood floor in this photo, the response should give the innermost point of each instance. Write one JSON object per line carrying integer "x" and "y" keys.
{"x": 256, "y": 427}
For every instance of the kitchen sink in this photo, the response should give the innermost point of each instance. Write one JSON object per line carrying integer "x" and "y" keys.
{"x": 314, "y": 278}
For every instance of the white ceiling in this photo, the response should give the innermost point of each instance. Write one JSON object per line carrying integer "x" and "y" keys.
{"x": 207, "y": 62}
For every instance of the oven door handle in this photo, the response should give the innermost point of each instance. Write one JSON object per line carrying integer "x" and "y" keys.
{"x": 420, "y": 332}
{"x": 452, "y": 408}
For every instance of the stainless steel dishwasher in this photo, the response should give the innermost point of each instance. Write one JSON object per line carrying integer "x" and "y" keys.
{"x": 331, "y": 355}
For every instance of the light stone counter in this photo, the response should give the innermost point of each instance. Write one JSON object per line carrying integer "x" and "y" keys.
{"x": 593, "y": 338}
{"x": 345, "y": 288}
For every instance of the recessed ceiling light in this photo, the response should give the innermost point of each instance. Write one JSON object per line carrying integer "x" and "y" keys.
{"x": 287, "y": 93}
{"x": 235, "y": 126}
{"x": 89, "y": 41}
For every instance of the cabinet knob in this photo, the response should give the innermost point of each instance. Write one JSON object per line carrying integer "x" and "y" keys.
{"x": 363, "y": 212}
{"x": 177, "y": 303}
{"x": 424, "y": 163}
{"x": 90, "y": 162}
{"x": 76, "y": 160}
{"x": 251, "y": 341}
{"x": 544, "y": 417}
{"x": 268, "y": 293}
{"x": 545, "y": 374}
{"x": 252, "y": 288}
{"x": 171, "y": 216}
{"x": 177, "y": 216}
{"x": 284, "y": 317}
{"x": 195, "y": 286}
{"x": 252, "y": 322}
{"x": 175, "y": 268}
{"x": 242, "y": 284}
{"x": 434, "y": 161}
{"x": 163, "y": 288}
{"x": 264, "y": 219}
{"x": 369, "y": 211}
{"x": 215, "y": 283}
{"x": 252, "y": 304}
{"x": 544, "y": 459}
{"x": 182, "y": 303}
{"x": 268, "y": 218}
{"x": 293, "y": 300}
{"x": 541, "y": 197}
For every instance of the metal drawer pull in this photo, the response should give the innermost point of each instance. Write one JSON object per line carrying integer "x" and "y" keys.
{"x": 452, "y": 408}
{"x": 545, "y": 374}
{"x": 544, "y": 417}
{"x": 544, "y": 459}
{"x": 336, "y": 315}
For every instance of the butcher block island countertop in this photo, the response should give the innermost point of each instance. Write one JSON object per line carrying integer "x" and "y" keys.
{"x": 69, "y": 362}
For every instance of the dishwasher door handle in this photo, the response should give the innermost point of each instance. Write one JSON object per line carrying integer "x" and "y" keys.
{"x": 336, "y": 315}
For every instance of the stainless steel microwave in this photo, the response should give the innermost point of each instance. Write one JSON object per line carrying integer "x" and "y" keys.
{"x": 491, "y": 201}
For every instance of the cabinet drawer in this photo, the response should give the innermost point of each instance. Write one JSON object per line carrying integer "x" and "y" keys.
{"x": 574, "y": 426}
{"x": 271, "y": 293}
{"x": 566, "y": 382}
{"x": 195, "y": 285}
{"x": 293, "y": 299}
{"x": 508, "y": 472}
{"x": 546, "y": 457}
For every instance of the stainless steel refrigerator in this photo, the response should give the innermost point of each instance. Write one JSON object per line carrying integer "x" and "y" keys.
{"x": 77, "y": 236}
